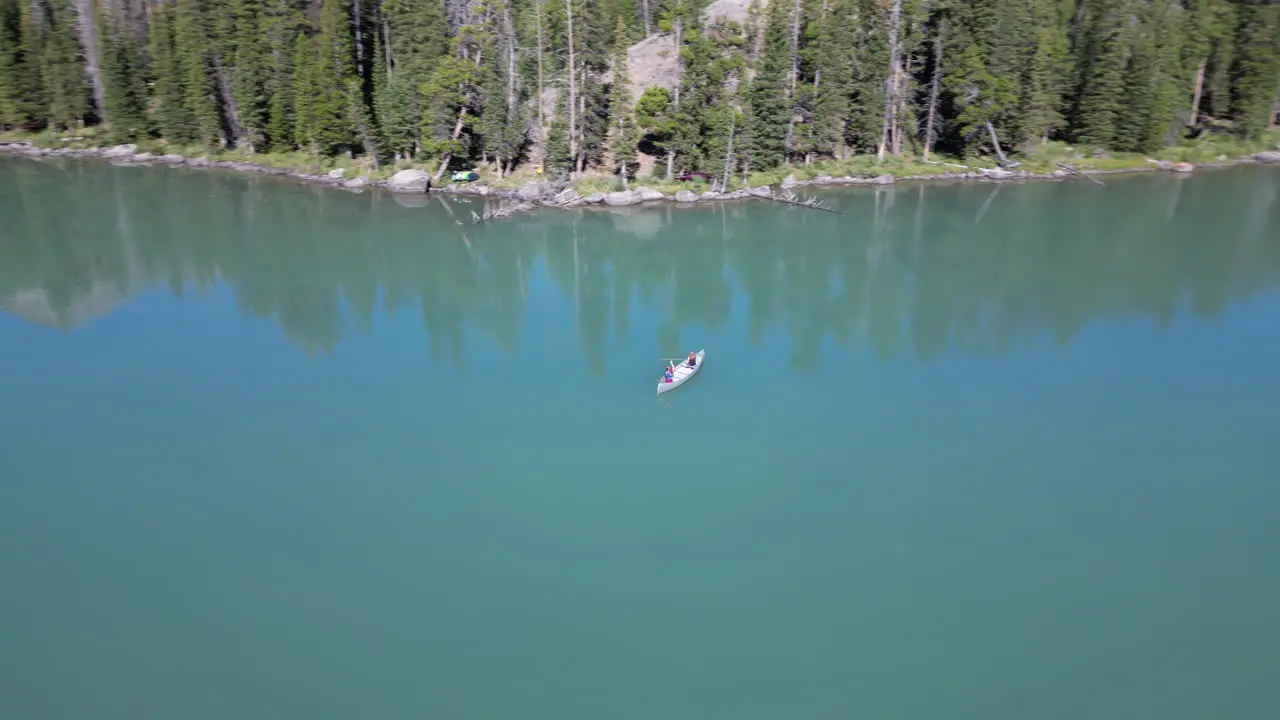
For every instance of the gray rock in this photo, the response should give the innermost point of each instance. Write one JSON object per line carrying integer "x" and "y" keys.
{"x": 1183, "y": 167}
{"x": 824, "y": 180}
{"x": 685, "y": 196}
{"x": 883, "y": 180}
{"x": 337, "y": 173}
{"x": 763, "y": 191}
{"x": 174, "y": 159}
{"x": 646, "y": 194}
{"x": 120, "y": 151}
{"x": 1059, "y": 173}
{"x": 143, "y": 157}
{"x": 198, "y": 162}
{"x": 409, "y": 181}
{"x": 567, "y": 195}
{"x": 709, "y": 196}
{"x": 994, "y": 174}
{"x": 736, "y": 195}
{"x": 1270, "y": 157}
{"x": 789, "y": 182}
{"x": 625, "y": 197}
{"x": 594, "y": 198}
{"x": 354, "y": 183}
{"x": 533, "y": 190}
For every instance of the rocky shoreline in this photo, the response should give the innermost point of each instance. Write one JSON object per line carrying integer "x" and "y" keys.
{"x": 546, "y": 194}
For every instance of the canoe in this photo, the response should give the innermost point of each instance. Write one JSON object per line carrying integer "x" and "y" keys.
{"x": 682, "y": 373}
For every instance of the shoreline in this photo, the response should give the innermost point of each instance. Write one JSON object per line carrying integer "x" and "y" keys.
{"x": 544, "y": 194}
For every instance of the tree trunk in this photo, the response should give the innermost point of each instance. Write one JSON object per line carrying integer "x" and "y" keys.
{"x": 728, "y": 152}
{"x": 671, "y": 161}
{"x": 386, "y": 44}
{"x": 88, "y": 31}
{"x": 542, "y": 49}
{"x": 790, "y": 143}
{"x": 235, "y": 132}
{"x": 995, "y": 142}
{"x": 1195, "y": 100}
{"x": 934, "y": 86}
{"x": 457, "y": 132}
{"x": 582, "y": 113}
{"x": 359, "y": 33}
{"x": 573, "y": 85}
{"x": 679, "y": 31}
{"x": 648, "y": 20}
{"x": 890, "y": 101}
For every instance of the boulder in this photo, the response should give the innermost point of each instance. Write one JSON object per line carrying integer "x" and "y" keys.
{"x": 887, "y": 179}
{"x": 173, "y": 159}
{"x": 824, "y": 180}
{"x": 710, "y": 196}
{"x": 1183, "y": 167}
{"x": 1270, "y": 157}
{"x": 198, "y": 162}
{"x": 337, "y": 173}
{"x": 685, "y": 196}
{"x": 625, "y": 197}
{"x": 534, "y": 190}
{"x": 646, "y": 194}
{"x": 120, "y": 151}
{"x": 144, "y": 157}
{"x": 594, "y": 198}
{"x": 355, "y": 183}
{"x": 789, "y": 182}
{"x": 409, "y": 181}
{"x": 762, "y": 192}
{"x": 566, "y": 196}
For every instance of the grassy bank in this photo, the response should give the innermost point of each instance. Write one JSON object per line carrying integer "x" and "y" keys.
{"x": 1041, "y": 159}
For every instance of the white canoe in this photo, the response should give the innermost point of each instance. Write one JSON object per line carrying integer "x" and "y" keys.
{"x": 682, "y": 373}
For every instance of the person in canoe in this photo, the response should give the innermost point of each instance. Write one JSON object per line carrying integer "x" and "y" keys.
{"x": 693, "y": 359}
{"x": 668, "y": 375}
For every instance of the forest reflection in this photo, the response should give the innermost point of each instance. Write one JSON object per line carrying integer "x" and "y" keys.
{"x": 906, "y": 270}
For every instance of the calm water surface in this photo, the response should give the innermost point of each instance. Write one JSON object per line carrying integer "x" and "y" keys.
{"x": 988, "y": 452}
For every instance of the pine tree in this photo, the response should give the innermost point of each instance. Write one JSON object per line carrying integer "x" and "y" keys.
{"x": 124, "y": 94}
{"x": 1043, "y": 84}
{"x": 191, "y": 44}
{"x": 1257, "y": 67}
{"x": 768, "y": 109}
{"x": 171, "y": 114}
{"x": 833, "y": 61}
{"x": 622, "y": 134}
{"x": 1102, "y": 74}
{"x": 62, "y": 68}
{"x": 332, "y": 128}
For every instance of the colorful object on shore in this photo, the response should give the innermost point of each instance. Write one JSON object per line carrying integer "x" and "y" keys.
{"x": 465, "y": 176}
{"x": 680, "y": 373}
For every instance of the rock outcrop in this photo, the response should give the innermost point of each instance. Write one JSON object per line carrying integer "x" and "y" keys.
{"x": 686, "y": 196}
{"x": 337, "y": 173}
{"x": 1270, "y": 157}
{"x": 120, "y": 151}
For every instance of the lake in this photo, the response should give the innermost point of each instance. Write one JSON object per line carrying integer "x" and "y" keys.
{"x": 976, "y": 451}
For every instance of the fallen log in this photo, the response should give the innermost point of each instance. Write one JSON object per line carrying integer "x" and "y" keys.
{"x": 1074, "y": 171}
{"x": 812, "y": 203}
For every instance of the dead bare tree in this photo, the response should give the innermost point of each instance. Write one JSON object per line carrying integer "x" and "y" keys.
{"x": 573, "y": 86}
{"x": 891, "y": 89}
{"x": 935, "y": 85}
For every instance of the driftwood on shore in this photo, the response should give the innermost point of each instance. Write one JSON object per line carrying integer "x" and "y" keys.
{"x": 502, "y": 210}
{"x": 1070, "y": 169}
{"x": 812, "y": 203}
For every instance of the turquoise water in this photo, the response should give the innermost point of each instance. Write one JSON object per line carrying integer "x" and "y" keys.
{"x": 276, "y": 451}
